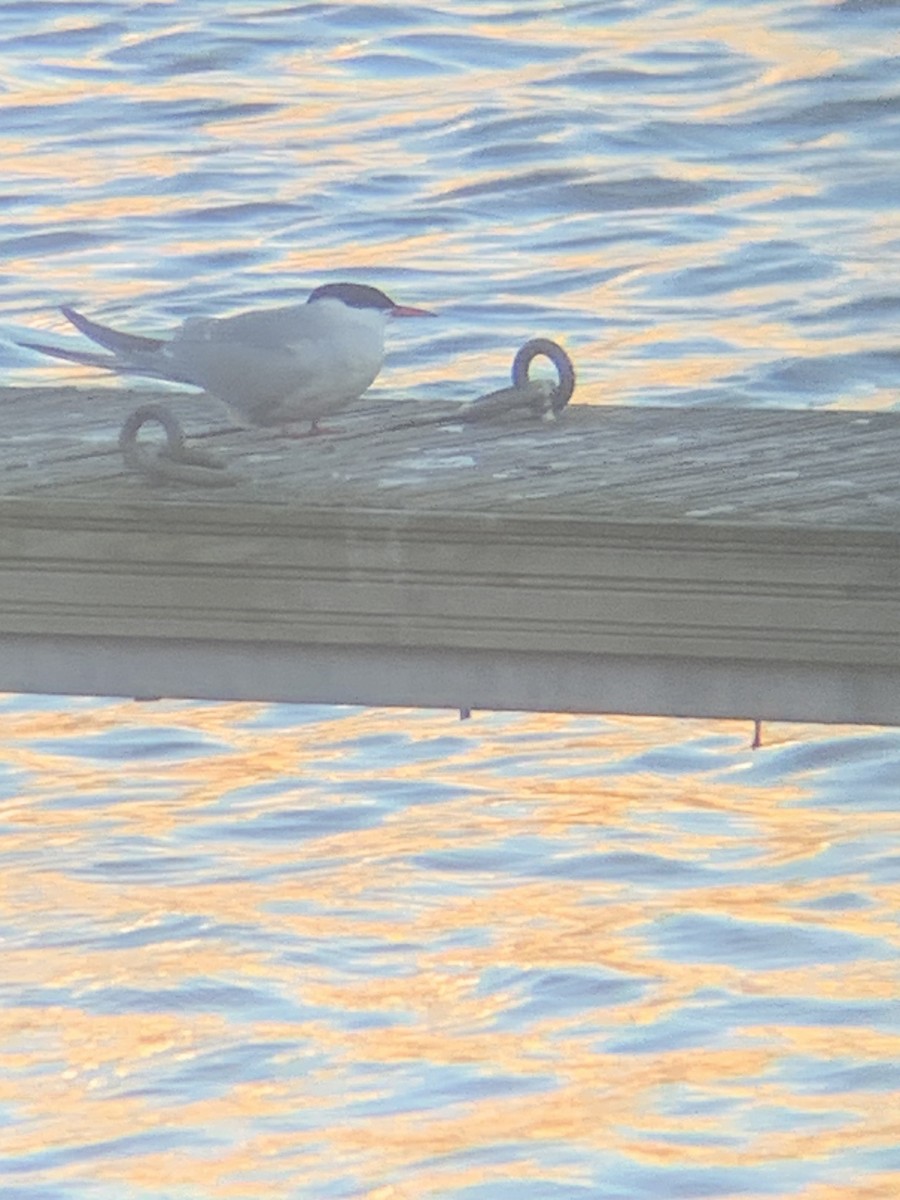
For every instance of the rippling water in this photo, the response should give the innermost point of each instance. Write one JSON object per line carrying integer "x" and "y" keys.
{"x": 268, "y": 952}
{"x": 699, "y": 199}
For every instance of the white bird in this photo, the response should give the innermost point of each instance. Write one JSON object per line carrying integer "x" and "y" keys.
{"x": 271, "y": 366}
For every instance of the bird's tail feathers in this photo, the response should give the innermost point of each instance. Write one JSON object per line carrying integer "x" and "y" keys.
{"x": 87, "y": 358}
{"x": 91, "y": 358}
{"x": 111, "y": 339}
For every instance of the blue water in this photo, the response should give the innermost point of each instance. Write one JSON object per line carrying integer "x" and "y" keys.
{"x": 258, "y": 952}
{"x": 698, "y": 199}
{"x": 267, "y": 951}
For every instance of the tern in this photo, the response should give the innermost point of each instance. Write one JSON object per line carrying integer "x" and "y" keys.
{"x": 271, "y": 366}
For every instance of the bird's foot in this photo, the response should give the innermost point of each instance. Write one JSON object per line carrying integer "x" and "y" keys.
{"x": 314, "y": 430}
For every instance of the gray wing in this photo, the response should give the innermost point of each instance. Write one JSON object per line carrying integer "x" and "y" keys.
{"x": 242, "y": 374}
{"x": 269, "y": 329}
{"x": 256, "y": 360}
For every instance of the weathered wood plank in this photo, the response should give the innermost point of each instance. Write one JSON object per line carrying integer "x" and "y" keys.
{"x": 697, "y": 561}
{"x": 769, "y": 466}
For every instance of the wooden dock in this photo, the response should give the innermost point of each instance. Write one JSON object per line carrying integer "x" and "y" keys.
{"x": 682, "y": 561}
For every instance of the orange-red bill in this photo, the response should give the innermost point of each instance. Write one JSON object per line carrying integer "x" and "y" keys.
{"x": 403, "y": 310}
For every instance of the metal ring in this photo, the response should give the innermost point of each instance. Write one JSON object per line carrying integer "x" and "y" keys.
{"x": 565, "y": 371}
{"x": 135, "y": 456}
{"x": 172, "y": 462}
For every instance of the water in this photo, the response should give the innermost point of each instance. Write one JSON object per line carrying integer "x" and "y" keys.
{"x": 257, "y": 951}
{"x": 698, "y": 199}
{"x": 269, "y": 951}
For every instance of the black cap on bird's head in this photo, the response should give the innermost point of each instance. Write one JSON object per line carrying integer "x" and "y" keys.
{"x": 361, "y": 295}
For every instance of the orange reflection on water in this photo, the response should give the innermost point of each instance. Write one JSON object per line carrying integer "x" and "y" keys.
{"x": 325, "y": 121}
{"x": 274, "y": 912}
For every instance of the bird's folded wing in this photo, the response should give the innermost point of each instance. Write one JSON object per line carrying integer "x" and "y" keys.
{"x": 243, "y": 374}
{"x": 273, "y": 329}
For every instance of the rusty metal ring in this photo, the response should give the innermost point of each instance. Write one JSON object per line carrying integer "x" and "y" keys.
{"x": 172, "y": 462}
{"x": 135, "y": 456}
{"x": 562, "y": 393}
